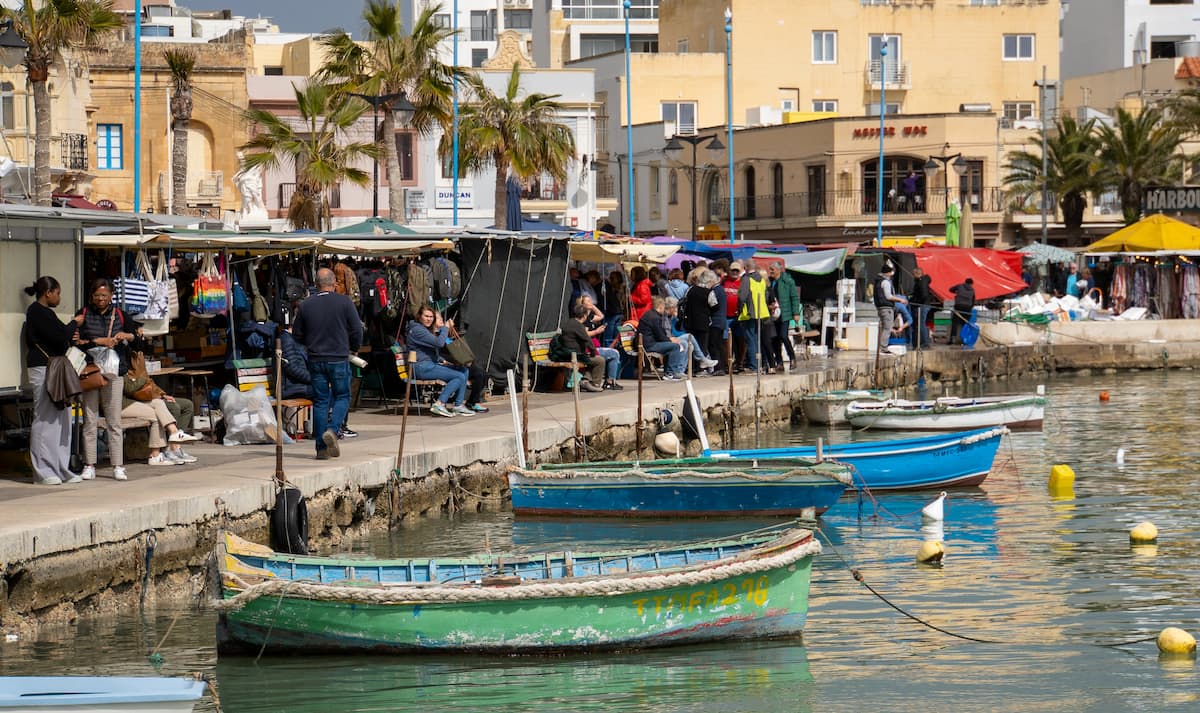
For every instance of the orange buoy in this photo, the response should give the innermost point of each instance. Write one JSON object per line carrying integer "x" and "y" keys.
{"x": 1104, "y": 396}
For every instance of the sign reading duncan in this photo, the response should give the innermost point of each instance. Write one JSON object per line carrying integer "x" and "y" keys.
{"x": 890, "y": 131}
{"x": 445, "y": 198}
{"x": 1157, "y": 198}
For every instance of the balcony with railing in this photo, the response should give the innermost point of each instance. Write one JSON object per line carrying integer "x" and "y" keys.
{"x": 897, "y": 74}
{"x": 286, "y": 190}
{"x": 74, "y": 151}
{"x": 856, "y": 205}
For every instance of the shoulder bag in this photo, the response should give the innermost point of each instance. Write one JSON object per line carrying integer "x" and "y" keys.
{"x": 457, "y": 351}
{"x": 91, "y": 378}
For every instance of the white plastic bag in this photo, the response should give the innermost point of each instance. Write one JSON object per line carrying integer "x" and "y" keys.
{"x": 249, "y": 417}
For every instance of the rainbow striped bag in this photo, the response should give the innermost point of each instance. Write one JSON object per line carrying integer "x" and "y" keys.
{"x": 209, "y": 290}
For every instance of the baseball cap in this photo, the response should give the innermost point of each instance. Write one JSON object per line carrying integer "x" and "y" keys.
{"x": 735, "y": 265}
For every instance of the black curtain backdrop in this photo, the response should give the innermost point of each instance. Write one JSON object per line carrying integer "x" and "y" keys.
{"x": 512, "y": 286}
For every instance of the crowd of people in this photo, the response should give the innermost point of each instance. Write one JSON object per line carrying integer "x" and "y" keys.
{"x": 905, "y": 318}
{"x": 721, "y": 315}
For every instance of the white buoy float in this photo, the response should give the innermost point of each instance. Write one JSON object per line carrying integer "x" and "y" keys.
{"x": 935, "y": 510}
{"x": 1120, "y": 456}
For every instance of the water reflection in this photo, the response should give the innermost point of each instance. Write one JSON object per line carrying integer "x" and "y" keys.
{"x": 745, "y": 676}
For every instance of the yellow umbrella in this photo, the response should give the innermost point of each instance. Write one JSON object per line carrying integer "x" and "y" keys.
{"x": 967, "y": 237}
{"x": 1152, "y": 233}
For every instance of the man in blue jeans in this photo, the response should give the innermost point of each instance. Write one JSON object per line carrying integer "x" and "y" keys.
{"x": 329, "y": 327}
{"x": 656, "y": 337}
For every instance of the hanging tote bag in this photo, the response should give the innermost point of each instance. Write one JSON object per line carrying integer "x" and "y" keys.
{"x": 172, "y": 290}
{"x": 208, "y": 294}
{"x": 457, "y": 351}
{"x": 155, "y": 321}
{"x": 132, "y": 293}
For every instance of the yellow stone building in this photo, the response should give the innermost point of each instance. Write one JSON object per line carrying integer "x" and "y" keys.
{"x": 214, "y": 133}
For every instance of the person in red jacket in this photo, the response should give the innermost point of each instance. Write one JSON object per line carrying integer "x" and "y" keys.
{"x": 639, "y": 295}
{"x": 732, "y": 284}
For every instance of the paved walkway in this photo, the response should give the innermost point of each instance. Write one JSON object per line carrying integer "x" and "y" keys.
{"x": 38, "y": 520}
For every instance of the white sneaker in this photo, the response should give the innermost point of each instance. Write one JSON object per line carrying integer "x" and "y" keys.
{"x": 73, "y": 479}
{"x": 160, "y": 459}
{"x": 180, "y": 456}
{"x": 440, "y": 410}
{"x": 52, "y": 480}
{"x": 119, "y": 473}
{"x": 708, "y": 363}
{"x": 462, "y": 410}
{"x": 89, "y": 472}
{"x": 182, "y": 437}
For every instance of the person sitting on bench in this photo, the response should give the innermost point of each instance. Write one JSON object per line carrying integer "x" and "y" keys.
{"x": 656, "y": 337}
{"x": 164, "y": 429}
{"x": 426, "y": 336}
{"x": 575, "y": 339}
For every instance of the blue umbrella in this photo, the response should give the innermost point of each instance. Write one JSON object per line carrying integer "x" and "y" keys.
{"x": 512, "y": 204}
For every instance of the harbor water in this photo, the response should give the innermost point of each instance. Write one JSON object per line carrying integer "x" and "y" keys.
{"x": 1041, "y": 604}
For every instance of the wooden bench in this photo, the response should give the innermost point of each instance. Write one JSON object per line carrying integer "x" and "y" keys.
{"x": 539, "y": 353}
{"x": 422, "y": 388}
{"x": 627, "y": 334}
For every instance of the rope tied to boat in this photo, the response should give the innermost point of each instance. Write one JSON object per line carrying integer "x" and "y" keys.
{"x": 594, "y": 586}
{"x": 838, "y": 473}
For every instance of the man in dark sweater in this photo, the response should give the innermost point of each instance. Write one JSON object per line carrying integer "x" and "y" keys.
{"x": 964, "y": 304}
{"x": 575, "y": 339}
{"x": 328, "y": 326}
{"x": 656, "y": 338}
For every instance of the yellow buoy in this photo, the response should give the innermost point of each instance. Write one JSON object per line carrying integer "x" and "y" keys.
{"x": 930, "y": 552}
{"x": 1062, "y": 481}
{"x": 1143, "y": 532}
{"x": 1176, "y": 641}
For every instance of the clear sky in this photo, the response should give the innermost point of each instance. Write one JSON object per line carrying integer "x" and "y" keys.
{"x": 293, "y": 15}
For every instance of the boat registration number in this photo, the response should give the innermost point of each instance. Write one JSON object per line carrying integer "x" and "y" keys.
{"x": 750, "y": 590}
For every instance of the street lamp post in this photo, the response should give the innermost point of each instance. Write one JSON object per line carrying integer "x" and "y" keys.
{"x": 674, "y": 145}
{"x": 955, "y": 161}
{"x": 882, "y": 132}
{"x": 629, "y": 122}
{"x": 729, "y": 113}
{"x": 403, "y": 106}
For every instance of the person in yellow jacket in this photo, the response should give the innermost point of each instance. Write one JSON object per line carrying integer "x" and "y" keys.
{"x": 752, "y": 309}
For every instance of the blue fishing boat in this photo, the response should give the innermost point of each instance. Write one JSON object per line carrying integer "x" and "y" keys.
{"x": 680, "y": 487}
{"x": 74, "y": 694}
{"x": 942, "y": 461}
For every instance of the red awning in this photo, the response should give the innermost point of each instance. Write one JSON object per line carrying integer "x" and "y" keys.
{"x": 995, "y": 272}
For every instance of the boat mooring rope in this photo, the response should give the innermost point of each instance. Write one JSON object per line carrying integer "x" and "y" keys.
{"x": 858, "y": 577}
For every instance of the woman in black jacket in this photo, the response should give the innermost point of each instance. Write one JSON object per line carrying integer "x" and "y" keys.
{"x": 46, "y": 336}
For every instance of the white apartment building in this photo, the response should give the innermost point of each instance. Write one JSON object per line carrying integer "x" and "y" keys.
{"x": 555, "y": 31}
{"x": 1102, "y": 35}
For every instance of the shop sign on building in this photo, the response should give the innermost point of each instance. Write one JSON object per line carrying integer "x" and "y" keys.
{"x": 1159, "y": 198}
{"x": 890, "y": 131}
{"x": 445, "y": 198}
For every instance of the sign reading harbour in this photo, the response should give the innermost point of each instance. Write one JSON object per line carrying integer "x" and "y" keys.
{"x": 1157, "y": 198}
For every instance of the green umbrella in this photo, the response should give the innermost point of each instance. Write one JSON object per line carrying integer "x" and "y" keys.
{"x": 374, "y": 226}
{"x": 953, "y": 215}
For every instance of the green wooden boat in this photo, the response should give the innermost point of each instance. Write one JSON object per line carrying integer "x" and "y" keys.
{"x": 753, "y": 586}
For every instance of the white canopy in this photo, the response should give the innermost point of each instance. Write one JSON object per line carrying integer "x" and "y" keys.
{"x": 587, "y": 251}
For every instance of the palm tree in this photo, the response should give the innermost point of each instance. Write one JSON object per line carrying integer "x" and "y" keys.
{"x": 392, "y": 63}
{"x": 180, "y": 63}
{"x": 511, "y": 132}
{"x": 314, "y": 143}
{"x": 1071, "y": 149}
{"x": 48, "y": 27}
{"x": 1139, "y": 150}
{"x": 1183, "y": 110}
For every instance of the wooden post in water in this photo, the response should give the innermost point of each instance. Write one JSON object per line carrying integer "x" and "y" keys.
{"x": 410, "y": 371}
{"x": 689, "y": 357}
{"x": 729, "y": 413}
{"x": 578, "y": 422}
{"x": 280, "y": 477}
{"x": 525, "y": 411}
{"x": 641, "y": 357}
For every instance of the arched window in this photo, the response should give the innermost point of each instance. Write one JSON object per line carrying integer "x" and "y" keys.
{"x": 749, "y": 211}
{"x": 673, "y": 187}
{"x": 7, "y": 114}
{"x": 777, "y": 189}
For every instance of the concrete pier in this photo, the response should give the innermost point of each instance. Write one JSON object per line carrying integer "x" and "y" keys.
{"x": 102, "y": 545}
